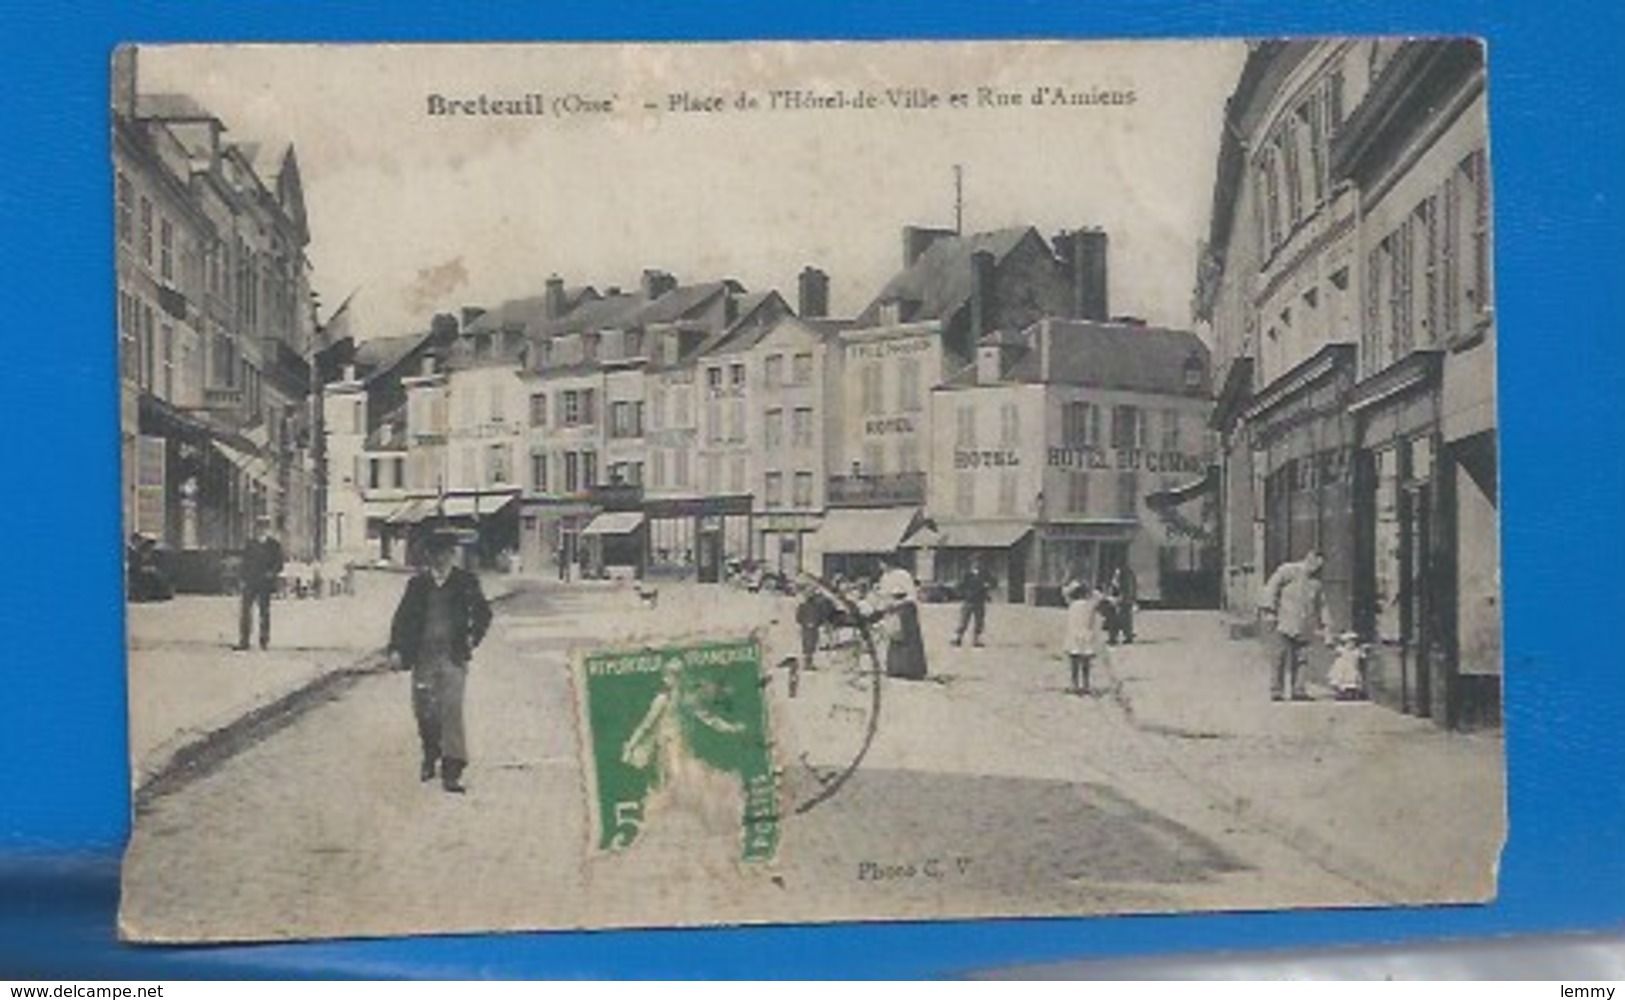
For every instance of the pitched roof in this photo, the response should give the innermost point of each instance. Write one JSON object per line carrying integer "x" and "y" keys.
{"x": 685, "y": 300}
{"x": 1101, "y": 355}
{"x": 624, "y": 309}
{"x": 940, "y": 281}
{"x": 378, "y": 355}
{"x": 753, "y": 323}
{"x": 171, "y": 107}
{"x": 525, "y": 314}
{"x": 1122, "y": 356}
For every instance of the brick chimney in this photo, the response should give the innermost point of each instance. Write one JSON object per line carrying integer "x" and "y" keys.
{"x": 812, "y": 299}
{"x": 918, "y": 239}
{"x": 984, "y": 299}
{"x": 553, "y": 297}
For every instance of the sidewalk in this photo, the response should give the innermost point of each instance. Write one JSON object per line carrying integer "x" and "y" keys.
{"x": 188, "y": 685}
{"x": 1389, "y": 800}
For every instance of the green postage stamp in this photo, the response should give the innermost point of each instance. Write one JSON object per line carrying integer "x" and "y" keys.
{"x": 663, "y": 724}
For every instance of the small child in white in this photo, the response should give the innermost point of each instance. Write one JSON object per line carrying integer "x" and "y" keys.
{"x": 1346, "y": 677}
{"x": 1085, "y": 618}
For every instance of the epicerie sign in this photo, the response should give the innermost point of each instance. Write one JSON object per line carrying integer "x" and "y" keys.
{"x": 1126, "y": 460}
{"x": 902, "y": 346}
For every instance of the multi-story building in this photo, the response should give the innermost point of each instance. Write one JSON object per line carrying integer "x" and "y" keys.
{"x": 797, "y": 358}
{"x": 216, "y": 325}
{"x": 1347, "y": 287}
{"x": 607, "y": 443}
{"x": 924, "y": 326}
{"x": 730, "y": 440}
{"x": 1062, "y": 452}
{"x": 370, "y": 470}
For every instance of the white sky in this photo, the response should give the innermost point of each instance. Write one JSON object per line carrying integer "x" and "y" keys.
{"x": 429, "y": 214}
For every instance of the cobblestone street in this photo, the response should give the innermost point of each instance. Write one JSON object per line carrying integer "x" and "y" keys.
{"x": 986, "y": 790}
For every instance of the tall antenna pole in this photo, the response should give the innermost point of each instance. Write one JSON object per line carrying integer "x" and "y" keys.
{"x": 959, "y": 200}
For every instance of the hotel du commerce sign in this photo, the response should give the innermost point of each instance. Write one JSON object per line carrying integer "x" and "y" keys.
{"x": 1086, "y": 459}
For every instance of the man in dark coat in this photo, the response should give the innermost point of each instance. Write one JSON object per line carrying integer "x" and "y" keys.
{"x": 973, "y": 594}
{"x": 442, "y": 617}
{"x": 261, "y": 573}
{"x": 1124, "y": 592}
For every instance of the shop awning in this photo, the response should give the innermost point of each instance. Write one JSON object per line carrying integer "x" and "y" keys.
{"x": 412, "y": 512}
{"x": 1186, "y": 492}
{"x": 483, "y": 506}
{"x": 866, "y": 532}
{"x": 622, "y": 522}
{"x": 926, "y": 536}
{"x": 253, "y": 466}
{"x": 983, "y": 534}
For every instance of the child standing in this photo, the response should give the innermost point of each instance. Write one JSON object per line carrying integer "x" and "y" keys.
{"x": 1346, "y": 677}
{"x": 1085, "y": 617}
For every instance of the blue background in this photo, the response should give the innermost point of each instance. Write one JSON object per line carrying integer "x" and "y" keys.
{"x": 1557, "y": 150}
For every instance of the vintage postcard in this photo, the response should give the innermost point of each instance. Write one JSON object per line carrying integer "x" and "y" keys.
{"x": 590, "y": 486}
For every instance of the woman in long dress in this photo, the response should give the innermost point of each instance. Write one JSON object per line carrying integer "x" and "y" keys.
{"x": 905, "y": 649}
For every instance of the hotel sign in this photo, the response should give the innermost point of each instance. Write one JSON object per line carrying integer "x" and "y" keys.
{"x": 986, "y": 458}
{"x": 881, "y": 426}
{"x": 1126, "y": 460}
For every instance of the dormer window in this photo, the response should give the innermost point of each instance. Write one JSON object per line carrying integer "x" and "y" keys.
{"x": 891, "y": 312}
{"x": 1194, "y": 372}
{"x": 590, "y": 345}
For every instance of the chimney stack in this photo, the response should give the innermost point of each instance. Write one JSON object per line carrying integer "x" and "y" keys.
{"x": 657, "y": 283}
{"x": 1088, "y": 274}
{"x": 812, "y": 297}
{"x": 553, "y": 297}
{"x": 349, "y": 373}
{"x": 984, "y": 300}
{"x": 443, "y": 329}
{"x": 918, "y": 239}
